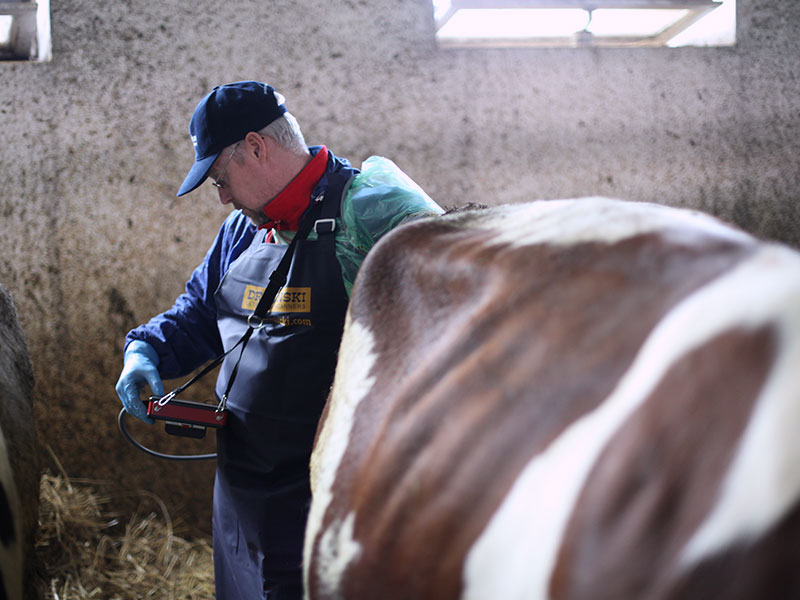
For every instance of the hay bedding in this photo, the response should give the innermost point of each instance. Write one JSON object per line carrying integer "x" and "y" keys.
{"x": 83, "y": 550}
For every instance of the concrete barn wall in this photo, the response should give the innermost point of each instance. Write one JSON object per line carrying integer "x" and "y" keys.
{"x": 95, "y": 144}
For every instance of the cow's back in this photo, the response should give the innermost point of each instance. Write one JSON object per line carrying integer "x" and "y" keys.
{"x": 574, "y": 399}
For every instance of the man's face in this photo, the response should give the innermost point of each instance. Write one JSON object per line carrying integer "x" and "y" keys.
{"x": 241, "y": 180}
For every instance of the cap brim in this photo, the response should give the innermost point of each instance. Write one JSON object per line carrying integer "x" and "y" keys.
{"x": 197, "y": 174}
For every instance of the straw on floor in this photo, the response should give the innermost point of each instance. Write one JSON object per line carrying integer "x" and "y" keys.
{"x": 83, "y": 550}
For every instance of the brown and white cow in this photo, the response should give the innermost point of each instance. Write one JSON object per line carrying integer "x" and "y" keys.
{"x": 585, "y": 399}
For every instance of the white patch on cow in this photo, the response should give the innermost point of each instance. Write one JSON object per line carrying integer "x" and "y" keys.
{"x": 516, "y": 553}
{"x": 763, "y": 482}
{"x": 587, "y": 220}
{"x": 351, "y": 385}
{"x": 337, "y": 549}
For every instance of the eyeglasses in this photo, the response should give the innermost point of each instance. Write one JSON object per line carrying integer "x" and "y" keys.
{"x": 219, "y": 183}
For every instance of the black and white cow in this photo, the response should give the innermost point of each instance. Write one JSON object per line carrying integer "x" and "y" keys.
{"x": 11, "y": 565}
{"x": 19, "y": 459}
{"x": 577, "y": 399}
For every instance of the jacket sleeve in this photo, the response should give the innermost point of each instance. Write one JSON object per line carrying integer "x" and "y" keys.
{"x": 186, "y": 335}
{"x": 380, "y": 198}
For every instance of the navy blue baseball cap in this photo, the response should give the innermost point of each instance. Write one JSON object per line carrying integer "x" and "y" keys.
{"x": 227, "y": 114}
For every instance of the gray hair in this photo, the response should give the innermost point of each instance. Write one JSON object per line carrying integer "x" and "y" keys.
{"x": 286, "y": 131}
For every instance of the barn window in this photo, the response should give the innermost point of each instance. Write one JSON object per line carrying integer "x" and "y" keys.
{"x": 25, "y": 30}
{"x": 585, "y": 23}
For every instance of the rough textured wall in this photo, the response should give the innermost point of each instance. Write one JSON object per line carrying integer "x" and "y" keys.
{"x": 95, "y": 144}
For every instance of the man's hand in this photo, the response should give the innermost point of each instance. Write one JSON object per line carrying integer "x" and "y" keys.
{"x": 140, "y": 368}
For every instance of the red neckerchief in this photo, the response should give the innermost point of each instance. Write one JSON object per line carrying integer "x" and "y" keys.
{"x": 285, "y": 210}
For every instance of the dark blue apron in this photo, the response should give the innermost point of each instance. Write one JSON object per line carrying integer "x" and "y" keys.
{"x": 261, "y": 492}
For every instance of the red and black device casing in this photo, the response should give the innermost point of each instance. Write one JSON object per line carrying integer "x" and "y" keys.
{"x": 186, "y": 418}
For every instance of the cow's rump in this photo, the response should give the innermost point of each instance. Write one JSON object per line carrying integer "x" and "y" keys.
{"x": 570, "y": 399}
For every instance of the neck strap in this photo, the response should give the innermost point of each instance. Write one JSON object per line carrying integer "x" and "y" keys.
{"x": 337, "y": 187}
{"x": 256, "y": 320}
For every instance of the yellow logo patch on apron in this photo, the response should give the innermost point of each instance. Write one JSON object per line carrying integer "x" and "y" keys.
{"x": 288, "y": 300}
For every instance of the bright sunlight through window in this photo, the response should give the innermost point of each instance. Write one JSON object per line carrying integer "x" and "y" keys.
{"x": 592, "y": 23}
{"x": 5, "y": 29}
{"x": 25, "y": 30}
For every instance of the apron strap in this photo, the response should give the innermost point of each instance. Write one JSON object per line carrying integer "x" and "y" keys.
{"x": 277, "y": 280}
{"x": 337, "y": 187}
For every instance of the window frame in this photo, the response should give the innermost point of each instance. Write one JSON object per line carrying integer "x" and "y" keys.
{"x": 28, "y": 32}
{"x": 696, "y": 10}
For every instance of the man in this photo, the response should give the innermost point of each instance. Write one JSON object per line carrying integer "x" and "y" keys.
{"x": 253, "y": 151}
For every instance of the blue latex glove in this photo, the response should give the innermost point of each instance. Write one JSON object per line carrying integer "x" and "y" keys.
{"x": 140, "y": 368}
